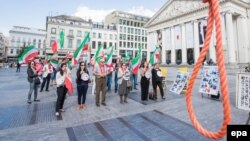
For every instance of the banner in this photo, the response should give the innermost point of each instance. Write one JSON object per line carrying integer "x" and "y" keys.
{"x": 243, "y": 91}
{"x": 180, "y": 82}
{"x": 210, "y": 81}
{"x": 202, "y": 31}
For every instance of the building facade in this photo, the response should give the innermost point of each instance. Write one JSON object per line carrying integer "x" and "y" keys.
{"x": 179, "y": 28}
{"x": 131, "y": 33}
{"x": 24, "y": 36}
{"x": 105, "y": 34}
{"x": 1, "y": 46}
{"x": 74, "y": 29}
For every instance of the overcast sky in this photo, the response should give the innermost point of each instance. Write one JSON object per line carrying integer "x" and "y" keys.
{"x": 32, "y": 13}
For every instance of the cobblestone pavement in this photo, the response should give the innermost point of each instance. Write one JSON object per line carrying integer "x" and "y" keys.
{"x": 159, "y": 120}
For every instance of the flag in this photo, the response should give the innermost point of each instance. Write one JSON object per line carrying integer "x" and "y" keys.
{"x": 54, "y": 56}
{"x": 154, "y": 57}
{"x": 54, "y": 63}
{"x": 28, "y": 54}
{"x": 54, "y": 47}
{"x": 109, "y": 58}
{"x": 86, "y": 46}
{"x": 136, "y": 62}
{"x": 68, "y": 84}
{"x": 79, "y": 50}
{"x": 99, "y": 52}
{"x": 61, "y": 39}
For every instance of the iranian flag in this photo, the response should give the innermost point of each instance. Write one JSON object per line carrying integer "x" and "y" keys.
{"x": 86, "y": 46}
{"x": 28, "y": 54}
{"x": 109, "y": 58}
{"x": 79, "y": 50}
{"x": 68, "y": 80}
{"x": 55, "y": 46}
{"x": 136, "y": 62}
{"x": 155, "y": 56}
{"x": 99, "y": 52}
{"x": 54, "y": 63}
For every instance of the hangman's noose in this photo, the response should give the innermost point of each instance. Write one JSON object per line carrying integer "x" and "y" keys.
{"x": 214, "y": 16}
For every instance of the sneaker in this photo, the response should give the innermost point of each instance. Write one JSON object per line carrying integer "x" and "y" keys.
{"x": 47, "y": 90}
{"x": 163, "y": 98}
{"x": 29, "y": 102}
{"x": 57, "y": 114}
{"x": 98, "y": 105}
{"x": 104, "y": 104}
{"x": 37, "y": 100}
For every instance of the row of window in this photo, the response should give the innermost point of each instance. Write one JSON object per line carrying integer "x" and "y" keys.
{"x": 104, "y": 36}
{"x": 132, "y": 45}
{"x": 18, "y": 40}
{"x": 79, "y": 33}
{"x": 130, "y": 23}
{"x": 96, "y": 44}
{"x": 132, "y": 30}
{"x": 132, "y": 38}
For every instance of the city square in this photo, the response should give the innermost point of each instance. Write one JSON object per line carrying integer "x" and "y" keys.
{"x": 165, "y": 71}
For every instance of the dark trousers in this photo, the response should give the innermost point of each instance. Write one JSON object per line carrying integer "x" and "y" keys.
{"x": 100, "y": 87}
{"x": 33, "y": 87}
{"x": 61, "y": 93}
{"x": 116, "y": 83}
{"x": 159, "y": 84}
{"x": 46, "y": 79}
{"x": 144, "y": 88}
{"x": 82, "y": 92}
{"x": 109, "y": 80}
{"x": 18, "y": 69}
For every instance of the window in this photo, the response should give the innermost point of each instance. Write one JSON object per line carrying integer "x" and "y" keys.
{"x": 124, "y": 29}
{"x": 124, "y": 22}
{"x": 124, "y": 44}
{"x": 127, "y": 23}
{"x": 132, "y": 30}
{"x": 145, "y": 46}
{"x": 115, "y": 37}
{"x": 132, "y": 37}
{"x": 131, "y": 23}
{"x": 52, "y": 39}
{"x": 93, "y": 44}
{"x": 120, "y": 36}
{"x": 105, "y": 45}
{"x": 78, "y": 42}
{"x": 120, "y": 28}
{"x": 39, "y": 43}
{"x": 139, "y": 38}
{"x": 99, "y": 43}
{"x": 17, "y": 51}
{"x": 110, "y": 36}
{"x": 71, "y": 32}
{"x": 128, "y": 30}
{"x": 120, "y": 44}
{"x": 124, "y": 37}
{"x": 110, "y": 44}
{"x": 11, "y": 51}
{"x": 132, "y": 45}
{"x": 128, "y": 38}
{"x": 135, "y": 38}
{"x": 94, "y": 35}
{"x": 53, "y": 30}
{"x": 99, "y": 35}
{"x": 70, "y": 43}
{"x": 120, "y": 21}
{"x": 79, "y": 33}
{"x": 105, "y": 36}
{"x": 139, "y": 32}
{"x": 135, "y": 31}
{"x": 142, "y": 32}
{"x": 34, "y": 42}
{"x": 128, "y": 44}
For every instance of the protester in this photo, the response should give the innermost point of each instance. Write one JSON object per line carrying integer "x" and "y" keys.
{"x": 145, "y": 77}
{"x": 116, "y": 75}
{"x": 82, "y": 81}
{"x": 123, "y": 78}
{"x": 53, "y": 77}
{"x": 100, "y": 73}
{"x": 157, "y": 80}
{"x": 109, "y": 78}
{"x": 32, "y": 75}
{"x": 47, "y": 70}
{"x": 61, "y": 88}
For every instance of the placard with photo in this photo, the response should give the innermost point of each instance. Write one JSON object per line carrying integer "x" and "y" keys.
{"x": 180, "y": 82}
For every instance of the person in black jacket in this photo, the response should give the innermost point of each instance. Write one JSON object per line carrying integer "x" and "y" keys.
{"x": 144, "y": 81}
{"x": 157, "y": 80}
{"x": 32, "y": 74}
{"x": 82, "y": 85}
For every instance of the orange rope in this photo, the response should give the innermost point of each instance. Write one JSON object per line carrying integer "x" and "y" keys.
{"x": 214, "y": 16}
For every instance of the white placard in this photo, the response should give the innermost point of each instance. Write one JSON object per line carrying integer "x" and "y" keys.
{"x": 243, "y": 91}
{"x": 180, "y": 82}
{"x": 210, "y": 81}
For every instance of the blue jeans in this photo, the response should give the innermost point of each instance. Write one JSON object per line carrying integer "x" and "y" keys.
{"x": 116, "y": 83}
{"x": 133, "y": 79}
{"x": 109, "y": 79}
{"x": 33, "y": 87}
{"x": 82, "y": 92}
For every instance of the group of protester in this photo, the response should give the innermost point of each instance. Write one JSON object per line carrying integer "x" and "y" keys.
{"x": 40, "y": 73}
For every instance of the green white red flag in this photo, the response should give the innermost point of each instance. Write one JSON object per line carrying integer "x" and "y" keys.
{"x": 68, "y": 80}
{"x": 136, "y": 62}
{"x": 54, "y": 63}
{"x": 109, "y": 57}
{"x": 155, "y": 56}
{"x": 28, "y": 54}
{"x": 55, "y": 46}
{"x": 79, "y": 50}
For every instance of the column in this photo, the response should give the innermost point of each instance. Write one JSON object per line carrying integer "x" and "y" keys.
{"x": 183, "y": 45}
{"x": 224, "y": 41}
{"x": 196, "y": 41}
{"x": 173, "y": 59}
{"x": 242, "y": 39}
{"x": 149, "y": 42}
{"x": 212, "y": 51}
{"x": 230, "y": 39}
{"x": 163, "y": 51}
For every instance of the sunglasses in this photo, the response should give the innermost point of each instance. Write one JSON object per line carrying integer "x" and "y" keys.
{"x": 82, "y": 65}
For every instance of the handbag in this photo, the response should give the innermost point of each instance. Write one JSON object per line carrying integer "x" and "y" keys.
{"x": 129, "y": 83}
{"x": 37, "y": 81}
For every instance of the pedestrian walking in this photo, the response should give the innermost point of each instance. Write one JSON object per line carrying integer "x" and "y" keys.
{"x": 123, "y": 81}
{"x": 157, "y": 80}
